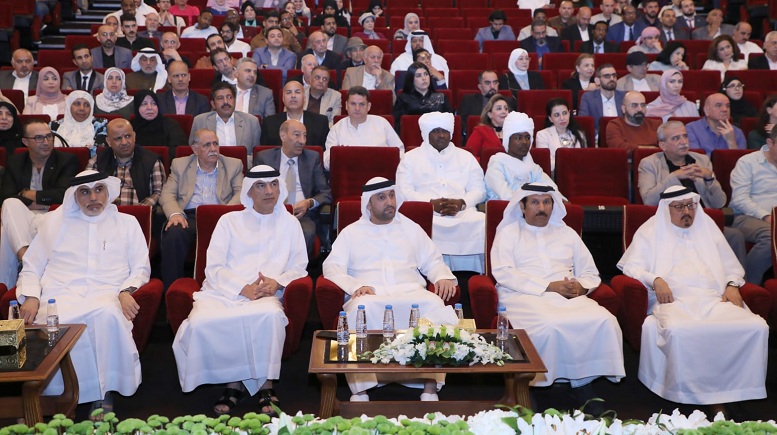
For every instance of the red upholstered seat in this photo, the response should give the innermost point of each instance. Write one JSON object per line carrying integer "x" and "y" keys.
{"x": 701, "y": 80}
{"x": 533, "y": 102}
{"x": 329, "y": 297}
{"x": 756, "y": 79}
{"x": 557, "y": 61}
{"x": 541, "y": 156}
{"x": 482, "y": 288}
{"x": 180, "y": 295}
{"x": 73, "y": 40}
{"x": 634, "y": 295}
{"x": 639, "y": 154}
{"x": 237, "y": 152}
{"x": 593, "y": 176}
{"x": 351, "y": 167}
{"x": 723, "y": 162}
{"x": 148, "y": 296}
{"x": 185, "y": 121}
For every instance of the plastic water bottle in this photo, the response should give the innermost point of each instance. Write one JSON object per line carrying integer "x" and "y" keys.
{"x": 502, "y": 325}
{"x": 13, "y": 311}
{"x": 415, "y": 314}
{"x": 361, "y": 322}
{"x": 342, "y": 329}
{"x": 52, "y": 316}
{"x": 459, "y": 311}
{"x": 388, "y": 322}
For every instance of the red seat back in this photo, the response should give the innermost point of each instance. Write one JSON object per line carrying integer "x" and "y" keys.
{"x": 639, "y": 154}
{"x": 593, "y": 176}
{"x": 723, "y": 162}
{"x": 207, "y": 218}
{"x": 351, "y": 167}
{"x": 634, "y": 215}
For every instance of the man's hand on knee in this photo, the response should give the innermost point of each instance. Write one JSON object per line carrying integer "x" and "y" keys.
{"x": 129, "y": 306}
{"x": 445, "y": 289}
{"x": 364, "y": 290}
{"x": 663, "y": 292}
{"x": 177, "y": 219}
{"x": 29, "y": 310}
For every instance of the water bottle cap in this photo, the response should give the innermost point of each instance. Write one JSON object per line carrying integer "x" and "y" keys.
{"x": 502, "y": 308}
{"x": 52, "y": 301}
{"x": 389, "y": 307}
{"x": 14, "y": 303}
{"x": 414, "y": 306}
{"x": 342, "y": 313}
{"x": 457, "y": 306}
{"x": 361, "y": 307}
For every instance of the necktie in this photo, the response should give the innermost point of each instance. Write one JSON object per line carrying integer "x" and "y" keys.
{"x": 291, "y": 183}
{"x": 670, "y": 37}
{"x": 628, "y": 34}
{"x": 690, "y": 24}
{"x": 598, "y": 48}
{"x": 240, "y": 95}
{"x": 85, "y": 83}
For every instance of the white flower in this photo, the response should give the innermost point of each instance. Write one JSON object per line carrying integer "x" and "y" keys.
{"x": 490, "y": 423}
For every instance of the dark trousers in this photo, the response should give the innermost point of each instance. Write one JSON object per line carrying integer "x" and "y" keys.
{"x": 175, "y": 243}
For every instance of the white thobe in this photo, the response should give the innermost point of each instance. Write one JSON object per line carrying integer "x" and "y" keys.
{"x": 84, "y": 263}
{"x": 239, "y": 46}
{"x": 388, "y": 258}
{"x": 374, "y": 132}
{"x": 506, "y": 174}
{"x": 18, "y": 226}
{"x": 698, "y": 349}
{"x": 228, "y": 338}
{"x": 425, "y": 174}
{"x": 577, "y": 339}
{"x": 403, "y": 61}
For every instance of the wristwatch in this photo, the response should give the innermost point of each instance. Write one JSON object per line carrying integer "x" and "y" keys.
{"x": 129, "y": 290}
{"x": 733, "y": 284}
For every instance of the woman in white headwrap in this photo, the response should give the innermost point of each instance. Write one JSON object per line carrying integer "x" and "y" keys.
{"x": 520, "y": 78}
{"x": 510, "y": 170}
{"x": 412, "y": 23}
{"x": 79, "y": 127}
{"x": 114, "y": 99}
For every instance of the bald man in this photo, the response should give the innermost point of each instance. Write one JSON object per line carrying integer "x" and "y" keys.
{"x": 715, "y": 130}
{"x": 370, "y": 75}
{"x": 317, "y": 46}
{"x": 108, "y": 54}
{"x": 294, "y": 100}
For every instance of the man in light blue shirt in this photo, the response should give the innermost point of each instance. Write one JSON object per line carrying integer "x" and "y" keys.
{"x": 714, "y": 130}
{"x": 753, "y": 196}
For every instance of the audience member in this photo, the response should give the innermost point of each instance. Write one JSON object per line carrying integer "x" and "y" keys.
{"x": 714, "y": 130}
{"x": 108, "y": 55}
{"x": 564, "y": 18}
{"x": 166, "y": 18}
{"x": 597, "y": 44}
{"x": 48, "y": 98}
{"x": 582, "y": 78}
{"x": 672, "y": 56}
{"x": 633, "y": 130}
{"x": 452, "y": 180}
{"x": 767, "y": 117}
{"x": 649, "y": 16}
{"x": 648, "y": 41}
{"x": 519, "y": 78}
{"x": 370, "y": 75}
{"x": 769, "y": 59}
{"x": 670, "y": 102}
{"x": 273, "y": 55}
{"x": 317, "y": 47}
{"x": 714, "y": 27}
{"x": 488, "y": 134}
{"x": 185, "y": 11}
{"x": 539, "y": 15}
{"x": 10, "y": 128}
{"x": 251, "y": 97}
{"x": 228, "y": 32}
{"x": 360, "y": 128}
{"x": 417, "y": 40}
{"x": 307, "y": 63}
{"x": 272, "y": 19}
{"x": 79, "y": 127}
{"x": 85, "y": 78}
{"x": 581, "y": 31}
{"x": 114, "y": 99}
{"x": 22, "y": 77}
{"x": 354, "y": 54}
{"x": 233, "y": 17}
{"x": 131, "y": 40}
{"x": 628, "y": 29}
{"x": 497, "y": 31}
{"x": 367, "y": 21}
{"x": 304, "y": 178}
{"x": 423, "y": 56}
{"x": 605, "y": 101}
{"x": 317, "y": 126}
{"x": 740, "y": 107}
{"x": 334, "y": 42}
{"x": 419, "y": 95}
{"x": 320, "y": 98}
{"x": 301, "y": 9}
{"x": 669, "y": 29}
{"x": 540, "y": 43}
{"x": 741, "y": 36}
{"x": 170, "y": 44}
{"x": 607, "y": 15}
{"x": 638, "y": 79}
{"x": 148, "y": 71}
{"x": 130, "y": 9}
{"x": 412, "y": 24}
{"x": 473, "y": 104}
{"x": 561, "y": 130}
{"x": 233, "y": 128}
{"x": 203, "y": 27}
{"x": 689, "y": 20}
{"x": 723, "y": 55}
{"x": 293, "y": 24}
{"x": 179, "y": 99}
{"x": 151, "y": 127}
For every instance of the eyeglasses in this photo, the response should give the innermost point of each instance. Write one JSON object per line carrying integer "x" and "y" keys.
{"x": 41, "y": 138}
{"x": 736, "y": 86}
{"x": 681, "y": 207}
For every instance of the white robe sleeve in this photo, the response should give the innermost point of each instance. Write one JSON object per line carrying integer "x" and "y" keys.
{"x": 586, "y": 272}
{"x": 429, "y": 259}
{"x": 35, "y": 259}
{"x": 140, "y": 268}
{"x": 637, "y": 260}
{"x": 476, "y": 186}
{"x": 496, "y": 179}
{"x": 335, "y": 267}
{"x": 297, "y": 264}
{"x": 405, "y": 174}
{"x": 503, "y": 255}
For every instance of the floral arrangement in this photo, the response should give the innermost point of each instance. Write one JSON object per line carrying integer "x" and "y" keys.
{"x": 438, "y": 345}
{"x": 505, "y": 421}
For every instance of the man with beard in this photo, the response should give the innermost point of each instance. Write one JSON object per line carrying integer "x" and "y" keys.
{"x": 131, "y": 40}
{"x": 232, "y": 128}
{"x": 228, "y": 34}
{"x": 627, "y": 30}
{"x": 108, "y": 54}
{"x": 85, "y": 78}
{"x": 203, "y": 27}
{"x": 598, "y": 44}
{"x": 252, "y": 97}
{"x": 473, "y": 104}
{"x": 650, "y": 13}
{"x": 715, "y": 130}
{"x": 605, "y": 101}
{"x": 272, "y": 19}
{"x": 564, "y": 18}
{"x": 317, "y": 46}
{"x": 148, "y": 71}
{"x": 689, "y": 20}
{"x": 273, "y": 55}
{"x": 633, "y": 130}
{"x": 335, "y": 41}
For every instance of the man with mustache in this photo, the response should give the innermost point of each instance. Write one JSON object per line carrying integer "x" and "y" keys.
{"x": 379, "y": 260}
{"x": 633, "y": 130}
{"x": 546, "y": 293}
{"x": 205, "y": 177}
{"x": 700, "y": 344}
{"x": 232, "y": 127}
{"x": 473, "y": 104}
{"x": 677, "y": 166}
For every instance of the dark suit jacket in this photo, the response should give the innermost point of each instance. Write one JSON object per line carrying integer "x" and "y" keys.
{"x": 59, "y": 170}
{"x": 331, "y": 60}
{"x": 195, "y": 104}
{"x": 317, "y": 127}
{"x": 677, "y": 31}
{"x": 758, "y": 62}
{"x": 572, "y": 34}
{"x": 7, "y": 79}
{"x": 609, "y": 47}
{"x": 698, "y": 21}
{"x": 123, "y": 57}
{"x": 591, "y": 105}
{"x": 311, "y": 173}
{"x": 140, "y": 43}
{"x": 554, "y": 43}
{"x": 617, "y": 31}
{"x": 72, "y": 79}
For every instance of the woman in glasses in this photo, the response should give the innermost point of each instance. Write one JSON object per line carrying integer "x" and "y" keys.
{"x": 740, "y": 107}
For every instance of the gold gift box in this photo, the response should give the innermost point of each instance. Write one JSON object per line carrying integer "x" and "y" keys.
{"x": 467, "y": 325}
{"x": 13, "y": 340}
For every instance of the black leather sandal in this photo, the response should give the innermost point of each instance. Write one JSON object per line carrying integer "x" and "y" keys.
{"x": 266, "y": 401}
{"x": 229, "y": 398}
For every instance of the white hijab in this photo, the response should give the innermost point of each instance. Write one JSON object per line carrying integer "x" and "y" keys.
{"x": 108, "y": 101}
{"x": 78, "y": 134}
{"x": 511, "y": 63}
{"x": 161, "y": 72}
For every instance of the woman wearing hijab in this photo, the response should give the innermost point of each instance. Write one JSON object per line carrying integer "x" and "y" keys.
{"x": 520, "y": 78}
{"x": 767, "y": 118}
{"x": 412, "y": 23}
{"x": 114, "y": 99}
{"x": 670, "y": 102}
{"x": 48, "y": 98}
{"x": 153, "y": 129}
{"x": 79, "y": 127}
{"x": 648, "y": 42}
{"x": 10, "y": 128}
{"x": 734, "y": 89}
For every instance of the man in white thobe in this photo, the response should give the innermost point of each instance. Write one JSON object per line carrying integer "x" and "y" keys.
{"x": 417, "y": 40}
{"x": 360, "y": 128}
{"x": 544, "y": 273}
{"x": 700, "y": 344}
{"x": 236, "y": 329}
{"x": 90, "y": 258}
{"x": 452, "y": 180}
{"x": 378, "y": 260}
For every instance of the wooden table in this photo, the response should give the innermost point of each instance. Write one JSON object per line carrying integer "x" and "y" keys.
{"x": 42, "y": 363}
{"x": 517, "y": 375}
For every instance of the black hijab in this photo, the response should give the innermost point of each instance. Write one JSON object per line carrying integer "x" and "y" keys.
{"x": 740, "y": 108}
{"x": 12, "y": 138}
{"x": 148, "y": 132}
